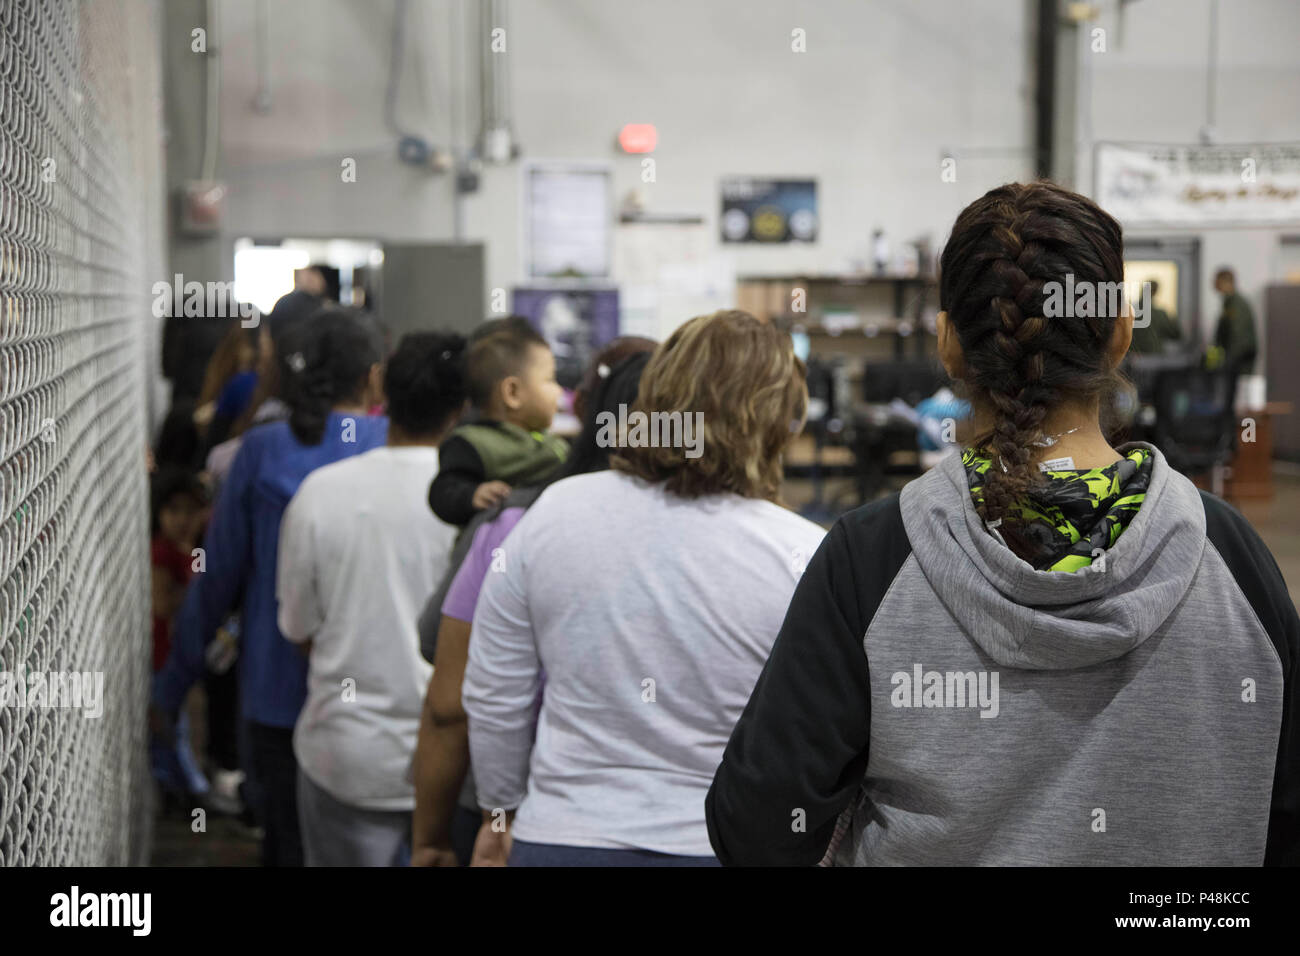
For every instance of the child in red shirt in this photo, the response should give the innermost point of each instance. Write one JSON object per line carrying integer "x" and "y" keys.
{"x": 179, "y": 510}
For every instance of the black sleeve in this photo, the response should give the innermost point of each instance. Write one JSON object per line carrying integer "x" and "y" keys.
{"x": 1260, "y": 580}
{"x": 460, "y": 471}
{"x": 801, "y": 743}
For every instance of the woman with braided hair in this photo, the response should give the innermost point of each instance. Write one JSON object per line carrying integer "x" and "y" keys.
{"x": 1047, "y": 650}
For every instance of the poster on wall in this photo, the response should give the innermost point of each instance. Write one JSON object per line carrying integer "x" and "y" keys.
{"x": 576, "y": 323}
{"x": 568, "y": 215}
{"x": 755, "y": 209}
{"x": 1158, "y": 185}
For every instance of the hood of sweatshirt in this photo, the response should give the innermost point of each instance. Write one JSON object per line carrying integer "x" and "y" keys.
{"x": 1068, "y": 519}
{"x": 1051, "y": 620}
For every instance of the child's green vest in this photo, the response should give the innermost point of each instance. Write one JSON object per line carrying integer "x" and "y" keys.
{"x": 513, "y": 454}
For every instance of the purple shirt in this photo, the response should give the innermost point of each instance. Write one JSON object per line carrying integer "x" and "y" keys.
{"x": 462, "y": 596}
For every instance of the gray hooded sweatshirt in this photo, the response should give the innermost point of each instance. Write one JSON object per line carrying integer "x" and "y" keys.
{"x": 934, "y": 699}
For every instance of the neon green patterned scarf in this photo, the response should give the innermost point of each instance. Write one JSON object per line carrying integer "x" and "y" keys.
{"x": 1070, "y": 515}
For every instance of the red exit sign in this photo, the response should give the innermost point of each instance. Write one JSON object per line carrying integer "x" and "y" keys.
{"x": 638, "y": 138}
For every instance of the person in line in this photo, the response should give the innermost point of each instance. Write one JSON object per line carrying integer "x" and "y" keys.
{"x": 330, "y": 375}
{"x": 233, "y": 790}
{"x": 1046, "y": 650}
{"x": 179, "y": 508}
{"x": 589, "y": 456}
{"x": 1235, "y": 342}
{"x": 265, "y": 405}
{"x": 179, "y": 445}
{"x": 358, "y": 548}
{"x": 514, "y": 395}
{"x": 446, "y": 812}
{"x": 231, "y": 381}
{"x": 649, "y": 594}
{"x": 229, "y": 384}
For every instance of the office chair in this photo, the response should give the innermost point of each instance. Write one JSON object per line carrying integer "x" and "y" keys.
{"x": 1196, "y": 421}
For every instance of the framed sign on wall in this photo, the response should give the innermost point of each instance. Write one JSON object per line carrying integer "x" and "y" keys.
{"x": 568, "y": 215}
{"x": 757, "y": 209}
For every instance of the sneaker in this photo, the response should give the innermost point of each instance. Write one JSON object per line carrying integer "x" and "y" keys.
{"x": 224, "y": 793}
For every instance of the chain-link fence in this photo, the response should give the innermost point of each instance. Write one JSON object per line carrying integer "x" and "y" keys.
{"x": 80, "y": 233}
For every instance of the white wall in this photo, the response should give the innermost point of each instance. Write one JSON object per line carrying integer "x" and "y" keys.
{"x": 1150, "y": 86}
{"x": 885, "y": 88}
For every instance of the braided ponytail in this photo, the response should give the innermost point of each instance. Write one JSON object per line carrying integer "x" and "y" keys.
{"x": 1021, "y": 364}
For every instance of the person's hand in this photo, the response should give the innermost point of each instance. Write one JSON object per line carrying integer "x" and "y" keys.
{"x": 489, "y": 493}
{"x": 491, "y": 847}
{"x": 433, "y": 856}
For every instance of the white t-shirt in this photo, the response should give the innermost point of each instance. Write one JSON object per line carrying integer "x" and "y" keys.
{"x": 360, "y": 553}
{"x": 651, "y": 616}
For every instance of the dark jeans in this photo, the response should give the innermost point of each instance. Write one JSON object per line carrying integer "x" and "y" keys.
{"x": 223, "y": 719}
{"x": 275, "y": 769}
{"x": 553, "y": 854}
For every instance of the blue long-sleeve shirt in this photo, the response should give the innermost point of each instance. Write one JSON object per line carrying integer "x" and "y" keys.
{"x": 240, "y": 555}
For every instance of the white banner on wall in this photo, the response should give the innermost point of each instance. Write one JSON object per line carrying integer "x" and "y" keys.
{"x": 1161, "y": 185}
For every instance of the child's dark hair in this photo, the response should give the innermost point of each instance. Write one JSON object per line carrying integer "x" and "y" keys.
{"x": 1019, "y": 365}
{"x": 497, "y": 349}
{"x": 169, "y": 483}
{"x": 424, "y": 382}
{"x": 322, "y": 361}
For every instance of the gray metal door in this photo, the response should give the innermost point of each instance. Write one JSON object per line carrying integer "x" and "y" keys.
{"x": 432, "y": 285}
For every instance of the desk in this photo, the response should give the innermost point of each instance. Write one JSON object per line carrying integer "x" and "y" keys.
{"x": 801, "y": 455}
{"x": 1251, "y": 476}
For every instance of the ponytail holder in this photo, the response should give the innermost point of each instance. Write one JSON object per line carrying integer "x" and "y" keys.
{"x": 297, "y": 362}
{"x": 446, "y": 354}
{"x": 602, "y": 370}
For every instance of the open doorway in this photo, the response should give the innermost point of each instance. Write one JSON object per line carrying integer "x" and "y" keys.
{"x": 344, "y": 270}
{"x": 1174, "y": 263}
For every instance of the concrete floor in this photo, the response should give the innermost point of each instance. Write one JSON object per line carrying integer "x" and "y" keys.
{"x": 226, "y": 842}
{"x": 1278, "y": 523}
{"x": 222, "y": 841}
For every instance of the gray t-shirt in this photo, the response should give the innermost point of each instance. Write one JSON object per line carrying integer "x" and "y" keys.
{"x": 652, "y": 616}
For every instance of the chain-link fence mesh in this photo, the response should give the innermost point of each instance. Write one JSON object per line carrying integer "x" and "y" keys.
{"x": 80, "y": 214}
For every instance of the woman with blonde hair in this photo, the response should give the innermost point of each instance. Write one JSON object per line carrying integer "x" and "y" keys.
{"x": 649, "y": 596}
